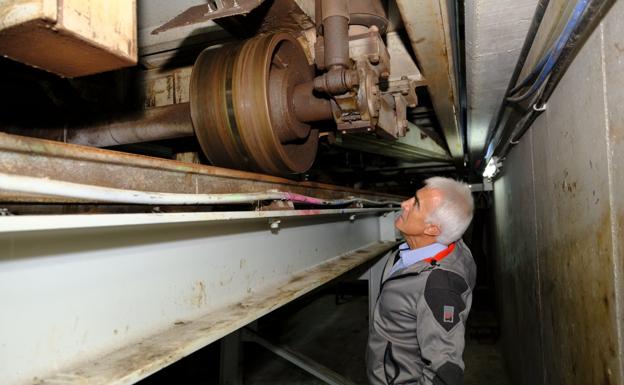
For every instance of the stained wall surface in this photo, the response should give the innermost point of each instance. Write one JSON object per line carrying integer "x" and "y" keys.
{"x": 559, "y": 220}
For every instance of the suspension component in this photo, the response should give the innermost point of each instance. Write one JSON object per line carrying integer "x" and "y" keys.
{"x": 363, "y": 99}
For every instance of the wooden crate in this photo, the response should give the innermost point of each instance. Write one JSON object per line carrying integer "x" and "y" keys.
{"x": 70, "y": 37}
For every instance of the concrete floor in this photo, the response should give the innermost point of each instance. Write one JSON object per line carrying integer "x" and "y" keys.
{"x": 332, "y": 334}
{"x": 335, "y": 336}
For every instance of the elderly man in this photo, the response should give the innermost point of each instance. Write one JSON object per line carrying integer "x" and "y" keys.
{"x": 417, "y": 332}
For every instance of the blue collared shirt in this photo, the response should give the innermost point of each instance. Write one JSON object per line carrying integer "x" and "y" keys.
{"x": 409, "y": 256}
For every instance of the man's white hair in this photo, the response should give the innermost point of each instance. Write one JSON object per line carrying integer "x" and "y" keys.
{"x": 454, "y": 212}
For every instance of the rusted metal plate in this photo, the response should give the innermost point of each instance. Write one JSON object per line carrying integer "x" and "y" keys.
{"x": 517, "y": 271}
{"x": 209, "y": 11}
{"x": 56, "y": 160}
{"x": 277, "y": 14}
{"x": 70, "y": 37}
{"x": 427, "y": 24}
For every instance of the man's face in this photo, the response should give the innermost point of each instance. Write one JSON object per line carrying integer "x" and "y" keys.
{"x": 416, "y": 210}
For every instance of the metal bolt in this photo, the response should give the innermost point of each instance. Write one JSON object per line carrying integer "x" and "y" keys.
{"x": 274, "y": 224}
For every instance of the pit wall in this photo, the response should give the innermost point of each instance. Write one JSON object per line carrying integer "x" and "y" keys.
{"x": 559, "y": 224}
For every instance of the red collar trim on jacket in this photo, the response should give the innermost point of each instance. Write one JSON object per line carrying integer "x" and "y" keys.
{"x": 442, "y": 254}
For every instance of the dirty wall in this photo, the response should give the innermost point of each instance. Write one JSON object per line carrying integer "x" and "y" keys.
{"x": 559, "y": 222}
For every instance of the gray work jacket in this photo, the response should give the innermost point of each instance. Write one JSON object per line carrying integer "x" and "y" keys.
{"x": 417, "y": 333}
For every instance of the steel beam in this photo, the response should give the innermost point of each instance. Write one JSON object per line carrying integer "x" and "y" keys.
{"x": 79, "y": 164}
{"x": 415, "y": 146}
{"x": 112, "y": 304}
{"x": 428, "y": 26}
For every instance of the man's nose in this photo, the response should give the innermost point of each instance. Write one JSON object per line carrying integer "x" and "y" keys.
{"x": 405, "y": 203}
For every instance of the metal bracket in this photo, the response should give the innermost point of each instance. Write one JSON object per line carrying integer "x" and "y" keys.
{"x": 4, "y": 212}
{"x": 314, "y": 368}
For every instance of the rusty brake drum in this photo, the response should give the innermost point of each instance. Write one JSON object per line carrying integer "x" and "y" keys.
{"x": 241, "y": 105}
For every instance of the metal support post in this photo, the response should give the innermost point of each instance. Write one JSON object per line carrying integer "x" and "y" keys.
{"x": 231, "y": 359}
{"x": 314, "y": 368}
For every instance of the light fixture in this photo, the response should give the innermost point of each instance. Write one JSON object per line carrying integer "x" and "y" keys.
{"x": 492, "y": 168}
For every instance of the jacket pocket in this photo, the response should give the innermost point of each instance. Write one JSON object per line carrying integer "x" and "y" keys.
{"x": 391, "y": 368}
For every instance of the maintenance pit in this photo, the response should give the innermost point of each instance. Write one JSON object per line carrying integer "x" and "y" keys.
{"x": 191, "y": 189}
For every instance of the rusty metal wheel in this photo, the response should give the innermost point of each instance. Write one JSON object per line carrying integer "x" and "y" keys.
{"x": 242, "y": 110}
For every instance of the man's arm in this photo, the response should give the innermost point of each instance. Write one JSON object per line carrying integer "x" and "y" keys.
{"x": 441, "y": 317}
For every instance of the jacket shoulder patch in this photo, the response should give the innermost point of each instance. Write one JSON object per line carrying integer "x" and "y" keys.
{"x": 443, "y": 295}
{"x": 449, "y": 374}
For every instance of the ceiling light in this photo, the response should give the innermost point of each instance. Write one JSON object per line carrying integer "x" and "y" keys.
{"x": 492, "y": 168}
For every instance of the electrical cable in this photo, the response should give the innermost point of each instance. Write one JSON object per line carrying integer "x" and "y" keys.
{"x": 49, "y": 187}
{"x": 596, "y": 10}
{"x": 552, "y": 55}
{"x": 530, "y": 77}
{"x": 493, "y": 137}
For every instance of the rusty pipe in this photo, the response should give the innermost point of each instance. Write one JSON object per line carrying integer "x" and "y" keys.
{"x": 335, "y": 15}
{"x": 336, "y": 81}
{"x": 308, "y": 107}
{"x": 158, "y": 123}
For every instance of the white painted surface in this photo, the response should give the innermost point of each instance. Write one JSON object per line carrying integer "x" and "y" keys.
{"x": 72, "y": 295}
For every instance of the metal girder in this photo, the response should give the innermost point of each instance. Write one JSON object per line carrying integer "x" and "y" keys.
{"x": 85, "y": 303}
{"x": 153, "y": 13}
{"x": 428, "y": 26}
{"x": 208, "y": 11}
{"x": 73, "y": 163}
{"x": 415, "y": 146}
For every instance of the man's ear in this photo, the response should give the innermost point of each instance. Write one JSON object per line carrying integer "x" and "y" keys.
{"x": 432, "y": 230}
